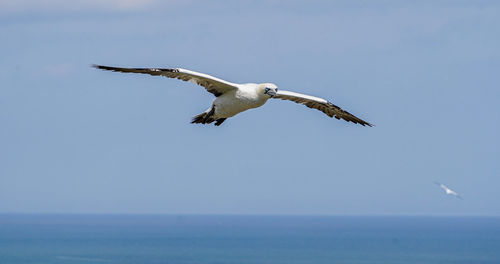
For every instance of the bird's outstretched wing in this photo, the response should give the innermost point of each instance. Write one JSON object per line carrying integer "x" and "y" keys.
{"x": 321, "y": 104}
{"x": 442, "y": 186}
{"x": 212, "y": 84}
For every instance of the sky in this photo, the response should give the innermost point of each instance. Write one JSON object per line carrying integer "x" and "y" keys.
{"x": 74, "y": 139}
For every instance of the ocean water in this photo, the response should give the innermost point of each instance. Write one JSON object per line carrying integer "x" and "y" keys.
{"x": 192, "y": 239}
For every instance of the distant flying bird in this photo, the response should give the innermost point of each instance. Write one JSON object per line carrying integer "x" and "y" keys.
{"x": 233, "y": 98}
{"x": 448, "y": 190}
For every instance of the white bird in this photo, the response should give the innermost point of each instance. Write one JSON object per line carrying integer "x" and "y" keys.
{"x": 232, "y": 98}
{"x": 448, "y": 190}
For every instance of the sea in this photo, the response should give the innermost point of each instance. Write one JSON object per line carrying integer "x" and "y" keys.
{"x": 196, "y": 239}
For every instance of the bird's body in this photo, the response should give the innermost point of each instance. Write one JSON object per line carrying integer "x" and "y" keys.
{"x": 448, "y": 191}
{"x": 245, "y": 97}
{"x": 231, "y": 98}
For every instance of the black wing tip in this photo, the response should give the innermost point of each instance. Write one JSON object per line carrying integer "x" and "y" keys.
{"x": 102, "y": 67}
{"x": 351, "y": 117}
{"x": 368, "y": 124}
{"x": 148, "y": 70}
{"x": 363, "y": 123}
{"x": 355, "y": 120}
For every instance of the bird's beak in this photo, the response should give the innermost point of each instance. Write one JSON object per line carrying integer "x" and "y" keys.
{"x": 270, "y": 92}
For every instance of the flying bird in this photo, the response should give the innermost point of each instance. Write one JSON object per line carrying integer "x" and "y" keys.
{"x": 448, "y": 190}
{"x": 232, "y": 98}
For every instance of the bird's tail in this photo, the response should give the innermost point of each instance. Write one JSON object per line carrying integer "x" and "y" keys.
{"x": 207, "y": 117}
{"x": 202, "y": 119}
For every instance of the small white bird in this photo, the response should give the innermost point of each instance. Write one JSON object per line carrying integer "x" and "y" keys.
{"x": 232, "y": 98}
{"x": 448, "y": 190}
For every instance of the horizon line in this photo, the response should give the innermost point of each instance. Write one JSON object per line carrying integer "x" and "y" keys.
{"x": 243, "y": 214}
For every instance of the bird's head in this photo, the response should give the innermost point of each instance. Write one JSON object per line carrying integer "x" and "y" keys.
{"x": 269, "y": 89}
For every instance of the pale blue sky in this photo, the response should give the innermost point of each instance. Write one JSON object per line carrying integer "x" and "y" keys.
{"x": 77, "y": 140}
